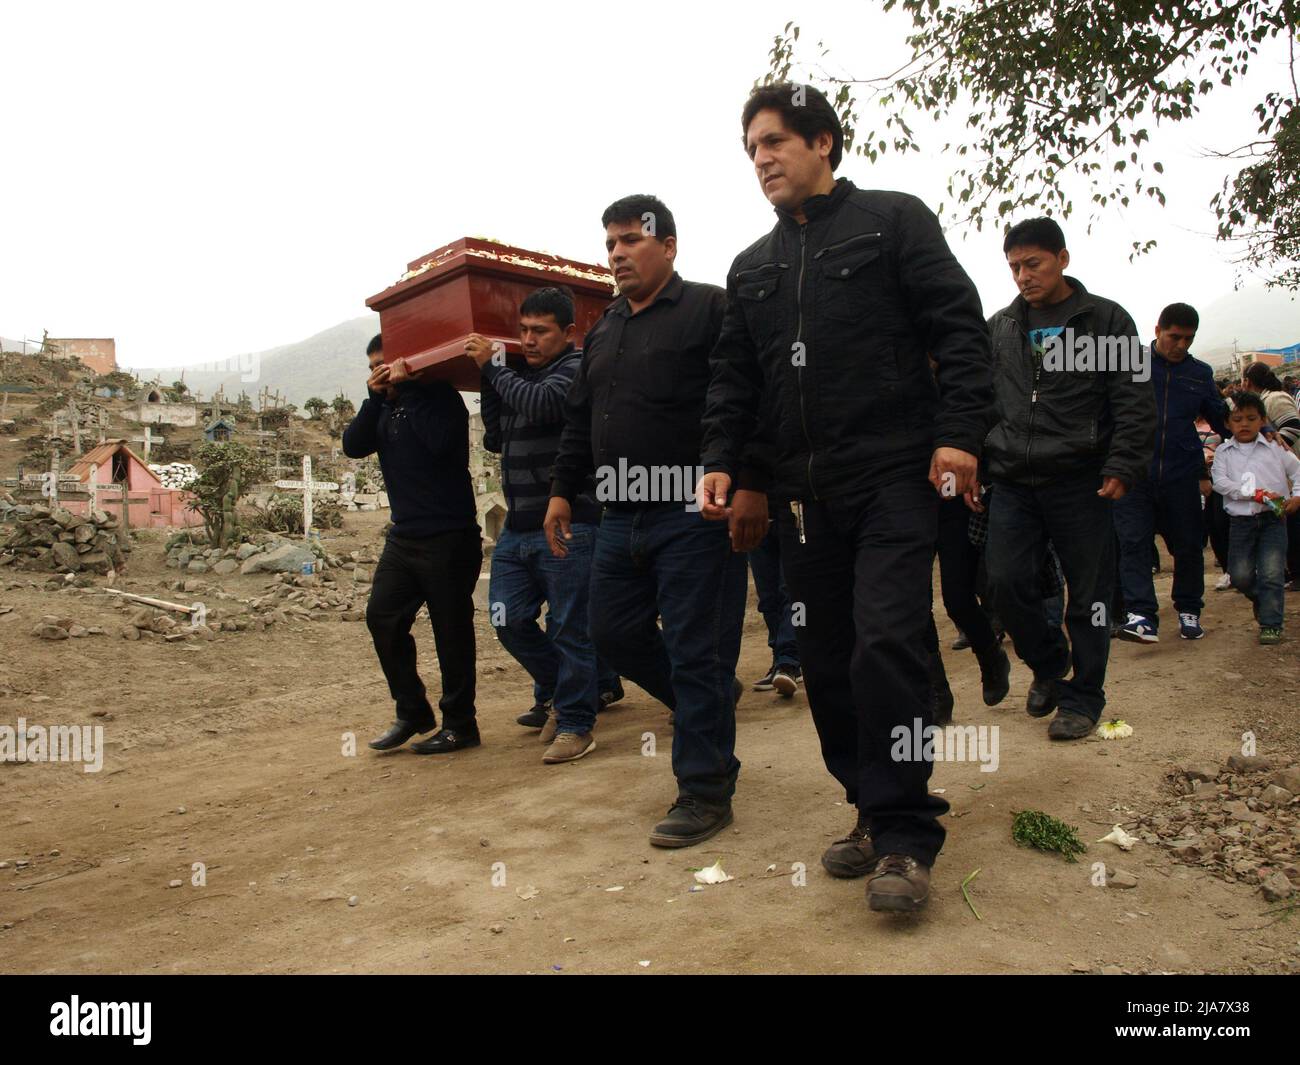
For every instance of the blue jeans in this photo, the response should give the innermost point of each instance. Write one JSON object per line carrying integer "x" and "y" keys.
{"x": 560, "y": 660}
{"x": 1257, "y": 563}
{"x": 1078, "y": 522}
{"x": 774, "y": 600}
{"x": 1174, "y": 510}
{"x": 667, "y": 562}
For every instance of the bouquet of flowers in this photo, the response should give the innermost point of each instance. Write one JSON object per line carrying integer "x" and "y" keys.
{"x": 1274, "y": 502}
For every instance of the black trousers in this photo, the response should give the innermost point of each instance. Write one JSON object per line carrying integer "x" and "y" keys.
{"x": 959, "y": 567}
{"x": 863, "y": 578}
{"x": 1077, "y": 521}
{"x": 441, "y": 572}
{"x": 1216, "y": 529}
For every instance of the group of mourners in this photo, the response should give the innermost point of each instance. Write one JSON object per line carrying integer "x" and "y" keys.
{"x": 837, "y": 417}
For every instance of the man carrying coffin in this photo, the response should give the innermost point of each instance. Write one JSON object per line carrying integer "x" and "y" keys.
{"x": 433, "y": 553}
{"x": 523, "y": 415}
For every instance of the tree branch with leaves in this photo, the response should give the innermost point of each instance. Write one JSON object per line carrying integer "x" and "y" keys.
{"x": 1074, "y": 88}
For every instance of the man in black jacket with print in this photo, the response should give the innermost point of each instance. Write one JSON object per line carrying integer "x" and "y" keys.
{"x": 832, "y": 319}
{"x": 433, "y": 553}
{"x": 1075, "y": 430}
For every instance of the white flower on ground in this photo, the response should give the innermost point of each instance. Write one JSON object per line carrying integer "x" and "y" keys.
{"x": 1115, "y": 729}
{"x": 713, "y": 874}
{"x": 1120, "y": 838}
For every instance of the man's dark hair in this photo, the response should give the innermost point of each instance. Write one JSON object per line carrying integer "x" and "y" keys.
{"x": 802, "y": 108}
{"x": 1182, "y": 315}
{"x": 557, "y": 302}
{"x": 1035, "y": 233}
{"x": 1243, "y": 400}
{"x": 376, "y": 344}
{"x": 1259, "y": 375}
{"x": 635, "y": 208}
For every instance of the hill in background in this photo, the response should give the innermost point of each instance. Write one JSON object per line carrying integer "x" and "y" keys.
{"x": 320, "y": 366}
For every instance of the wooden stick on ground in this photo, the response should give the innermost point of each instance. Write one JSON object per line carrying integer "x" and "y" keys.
{"x": 146, "y": 600}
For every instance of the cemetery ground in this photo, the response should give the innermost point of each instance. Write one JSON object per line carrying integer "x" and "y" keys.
{"x": 229, "y": 753}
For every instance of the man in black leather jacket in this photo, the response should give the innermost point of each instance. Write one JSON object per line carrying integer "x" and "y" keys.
{"x": 823, "y": 364}
{"x": 1075, "y": 430}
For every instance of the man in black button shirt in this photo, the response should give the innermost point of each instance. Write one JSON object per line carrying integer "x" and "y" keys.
{"x": 832, "y": 320}
{"x": 633, "y": 419}
{"x": 433, "y": 554}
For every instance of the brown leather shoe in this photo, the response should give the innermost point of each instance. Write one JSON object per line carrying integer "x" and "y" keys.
{"x": 853, "y": 855}
{"x": 900, "y": 884}
{"x": 569, "y": 747}
{"x": 549, "y": 729}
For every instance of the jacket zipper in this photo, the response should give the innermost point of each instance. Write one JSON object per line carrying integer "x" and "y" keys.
{"x": 1164, "y": 427}
{"x": 798, "y": 338}
{"x": 1033, "y": 396}
{"x": 840, "y": 244}
{"x": 1033, "y": 401}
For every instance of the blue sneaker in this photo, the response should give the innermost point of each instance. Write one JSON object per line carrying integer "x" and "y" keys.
{"x": 1139, "y": 629}
{"x": 1189, "y": 626}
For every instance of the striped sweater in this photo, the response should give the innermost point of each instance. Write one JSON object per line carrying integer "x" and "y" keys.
{"x": 523, "y": 416}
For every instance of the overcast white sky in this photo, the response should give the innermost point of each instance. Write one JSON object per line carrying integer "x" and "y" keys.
{"x": 201, "y": 181}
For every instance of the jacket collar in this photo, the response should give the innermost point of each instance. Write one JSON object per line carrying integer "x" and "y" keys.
{"x": 1019, "y": 307}
{"x": 818, "y": 206}
{"x": 1189, "y": 360}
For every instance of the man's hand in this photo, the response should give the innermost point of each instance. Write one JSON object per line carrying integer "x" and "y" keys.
{"x": 952, "y": 471}
{"x": 711, "y": 494}
{"x": 1292, "y": 505}
{"x": 398, "y": 372}
{"x": 480, "y": 349}
{"x": 378, "y": 381}
{"x": 1206, "y": 489}
{"x": 1112, "y": 488}
{"x": 975, "y": 499}
{"x": 559, "y": 513}
{"x": 747, "y": 519}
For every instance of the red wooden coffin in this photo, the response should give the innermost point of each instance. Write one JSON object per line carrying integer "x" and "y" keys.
{"x": 475, "y": 285}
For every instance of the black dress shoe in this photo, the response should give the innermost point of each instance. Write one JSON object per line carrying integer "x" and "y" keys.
{"x": 690, "y": 821}
{"x": 446, "y": 740}
{"x": 610, "y": 697}
{"x": 536, "y": 717}
{"x": 1068, "y": 725}
{"x": 1042, "y": 697}
{"x": 995, "y": 674}
{"x": 941, "y": 699}
{"x": 398, "y": 733}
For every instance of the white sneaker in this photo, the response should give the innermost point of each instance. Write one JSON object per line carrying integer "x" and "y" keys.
{"x": 1223, "y": 583}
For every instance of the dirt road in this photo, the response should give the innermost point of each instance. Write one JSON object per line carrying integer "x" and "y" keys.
{"x": 489, "y": 861}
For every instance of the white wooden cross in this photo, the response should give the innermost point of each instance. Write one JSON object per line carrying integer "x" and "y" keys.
{"x": 148, "y": 439}
{"x": 307, "y": 486}
{"x": 92, "y": 486}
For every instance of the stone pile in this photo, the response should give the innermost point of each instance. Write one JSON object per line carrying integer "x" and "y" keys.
{"x": 175, "y": 474}
{"x": 310, "y": 598}
{"x": 45, "y": 538}
{"x": 272, "y": 556}
{"x": 1240, "y": 822}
